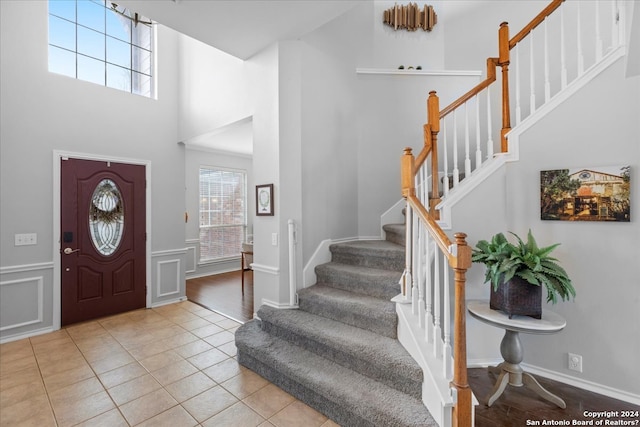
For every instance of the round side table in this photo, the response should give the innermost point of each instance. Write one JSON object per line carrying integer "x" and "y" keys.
{"x": 510, "y": 372}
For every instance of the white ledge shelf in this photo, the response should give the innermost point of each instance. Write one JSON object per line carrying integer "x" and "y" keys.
{"x": 414, "y": 72}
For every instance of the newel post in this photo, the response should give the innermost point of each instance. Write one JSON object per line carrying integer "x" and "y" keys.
{"x": 503, "y": 61}
{"x": 433, "y": 123}
{"x": 407, "y": 173}
{"x": 407, "y": 180}
{"x": 463, "y": 406}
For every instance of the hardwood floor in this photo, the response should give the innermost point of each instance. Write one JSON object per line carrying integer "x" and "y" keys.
{"x": 518, "y": 406}
{"x": 223, "y": 293}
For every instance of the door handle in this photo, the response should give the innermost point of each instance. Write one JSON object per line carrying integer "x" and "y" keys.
{"x": 68, "y": 251}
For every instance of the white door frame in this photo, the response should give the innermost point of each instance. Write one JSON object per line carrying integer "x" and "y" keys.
{"x": 58, "y": 155}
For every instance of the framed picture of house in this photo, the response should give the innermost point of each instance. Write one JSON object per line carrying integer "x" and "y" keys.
{"x": 264, "y": 200}
{"x": 586, "y": 194}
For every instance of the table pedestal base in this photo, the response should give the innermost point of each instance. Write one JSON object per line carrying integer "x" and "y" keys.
{"x": 510, "y": 372}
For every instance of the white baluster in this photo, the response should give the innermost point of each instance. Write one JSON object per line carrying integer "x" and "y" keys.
{"x": 478, "y": 150}
{"x": 517, "y": 65}
{"x": 467, "y": 160}
{"x": 415, "y": 264}
{"x": 428, "y": 331}
{"x": 547, "y": 83}
{"x": 421, "y": 275}
{"x": 408, "y": 281}
{"x": 445, "y": 178}
{"x": 614, "y": 24}
{"x": 532, "y": 77}
{"x": 599, "y": 42}
{"x": 437, "y": 332}
{"x": 456, "y": 172}
{"x": 579, "y": 46}
{"x": 489, "y": 126}
{"x": 563, "y": 54}
{"x": 446, "y": 349}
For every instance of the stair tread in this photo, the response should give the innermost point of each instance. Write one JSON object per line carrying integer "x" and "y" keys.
{"x": 347, "y": 298}
{"x": 364, "y": 311}
{"x": 366, "y": 398}
{"x": 358, "y": 343}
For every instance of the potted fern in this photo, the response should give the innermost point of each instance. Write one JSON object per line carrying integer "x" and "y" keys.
{"x": 517, "y": 273}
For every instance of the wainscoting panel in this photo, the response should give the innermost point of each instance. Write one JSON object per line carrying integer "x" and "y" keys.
{"x": 192, "y": 256}
{"x": 168, "y": 281}
{"x": 26, "y": 300}
{"x": 28, "y": 289}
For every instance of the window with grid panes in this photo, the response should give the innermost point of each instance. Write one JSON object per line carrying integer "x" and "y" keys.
{"x": 101, "y": 42}
{"x": 223, "y": 213}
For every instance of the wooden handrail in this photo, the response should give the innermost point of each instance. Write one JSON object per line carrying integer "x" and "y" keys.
{"x": 535, "y": 22}
{"x": 434, "y": 229}
{"x": 492, "y": 63}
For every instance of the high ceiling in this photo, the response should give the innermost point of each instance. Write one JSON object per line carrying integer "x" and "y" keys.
{"x": 241, "y": 28}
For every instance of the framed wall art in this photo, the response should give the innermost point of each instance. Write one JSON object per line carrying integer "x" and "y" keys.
{"x": 264, "y": 200}
{"x": 586, "y": 194}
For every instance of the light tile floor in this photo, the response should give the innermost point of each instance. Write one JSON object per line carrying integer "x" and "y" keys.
{"x": 173, "y": 365}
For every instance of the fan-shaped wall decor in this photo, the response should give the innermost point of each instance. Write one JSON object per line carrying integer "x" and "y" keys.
{"x": 411, "y": 17}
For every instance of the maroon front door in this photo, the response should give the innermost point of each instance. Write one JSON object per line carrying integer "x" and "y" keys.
{"x": 102, "y": 238}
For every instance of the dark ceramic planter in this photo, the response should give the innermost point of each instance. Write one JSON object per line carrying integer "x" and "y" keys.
{"x": 519, "y": 297}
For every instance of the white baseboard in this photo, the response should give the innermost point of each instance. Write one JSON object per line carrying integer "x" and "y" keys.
{"x": 614, "y": 393}
{"x": 591, "y": 386}
{"x": 278, "y": 305}
{"x": 167, "y": 302}
{"x": 28, "y": 334}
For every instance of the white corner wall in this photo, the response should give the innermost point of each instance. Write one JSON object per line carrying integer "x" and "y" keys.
{"x": 212, "y": 89}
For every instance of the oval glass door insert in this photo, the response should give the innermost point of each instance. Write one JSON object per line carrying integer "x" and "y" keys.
{"x": 106, "y": 217}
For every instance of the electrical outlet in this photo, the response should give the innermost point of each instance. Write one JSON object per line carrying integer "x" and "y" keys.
{"x": 575, "y": 362}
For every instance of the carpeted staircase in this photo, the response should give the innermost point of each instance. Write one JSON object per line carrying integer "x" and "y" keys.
{"x": 339, "y": 353}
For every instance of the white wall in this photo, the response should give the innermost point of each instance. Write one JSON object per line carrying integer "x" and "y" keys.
{"x": 393, "y": 48}
{"x": 212, "y": 89}
{"x": 41, "y": 112}
{"x": 601, "y": 258}
{"x": 263, "y": 70}
{"x": 329, "y": 128}
{"x": 471, "y": 28}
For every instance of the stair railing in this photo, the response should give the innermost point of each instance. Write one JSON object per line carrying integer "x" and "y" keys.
{"x": 547, "y": 56}
{"x": 431, "y": 257}
{"x": 467, "y": 124}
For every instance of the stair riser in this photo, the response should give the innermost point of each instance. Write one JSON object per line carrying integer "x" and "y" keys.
{"x": 385, "y": 287}
{"x": 371, "y": 260}
{"x": 333, "y": 410}
{"x": 396, "y": 233}
{"x": 385, "y": 324}
{"x": 333, "y": 353}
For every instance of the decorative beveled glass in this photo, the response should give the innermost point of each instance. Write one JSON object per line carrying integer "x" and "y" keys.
{"x": 106, "y": 217}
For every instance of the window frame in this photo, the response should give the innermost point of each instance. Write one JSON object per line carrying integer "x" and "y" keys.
{"x": 136, "y": 75}
{"x": 245, "y": 213}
